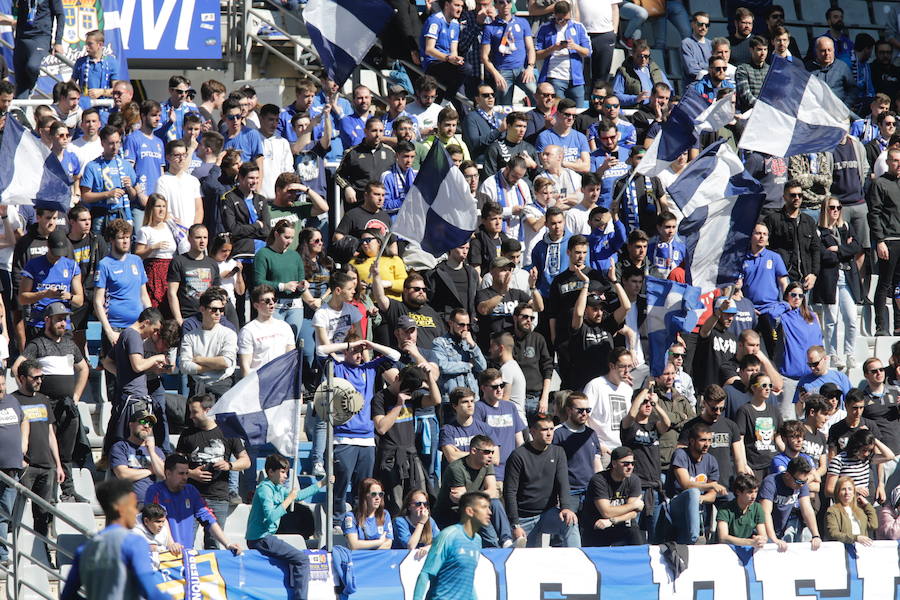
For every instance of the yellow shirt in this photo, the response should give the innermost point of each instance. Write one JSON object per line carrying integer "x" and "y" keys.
{"x": 390, "y": 268}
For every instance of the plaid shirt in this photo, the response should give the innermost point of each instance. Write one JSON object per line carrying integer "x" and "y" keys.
{"x": 470, "y": 42}
{"x": 749, "y": 80}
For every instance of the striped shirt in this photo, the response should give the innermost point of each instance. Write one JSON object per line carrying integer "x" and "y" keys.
{"x": 855, "y": 468}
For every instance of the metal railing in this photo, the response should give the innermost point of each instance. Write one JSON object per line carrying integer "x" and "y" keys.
{"x": 23, "y": 494}
{"x": 43, "y": 69}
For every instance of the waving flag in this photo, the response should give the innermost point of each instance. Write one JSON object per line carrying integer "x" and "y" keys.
{"x": 679, "y": 133}
{"x": 439, "y": 212}
{"x": 671, "y": 307}
{"x": 343, "y": 31}
{"x": 721, "y": 205}
{"x": 260, "y": 409}
{"x": 29, "y": 173}
{"x": 796, "y": 113}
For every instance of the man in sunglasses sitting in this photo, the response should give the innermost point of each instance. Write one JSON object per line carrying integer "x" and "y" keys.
{"x": 138, "y": 459}
{"x": 209, "y": 354}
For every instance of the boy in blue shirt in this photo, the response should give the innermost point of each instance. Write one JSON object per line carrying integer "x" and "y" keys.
{"x": 242, "y": 138}
{"x": 438, "y": 48}
{"x": 144, "y": 151}
{"x": 665, "y": 251}
{"x": 271, "y": 502}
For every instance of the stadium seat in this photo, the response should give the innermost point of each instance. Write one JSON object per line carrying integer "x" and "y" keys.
{"x": 617, "y": 59}
{"x": 856, "y": 12}
{"x": 802, "y": 36}
{"x": 236, "y": 525}
{"x": 36, "y": 579}
{"x": 717, "y": 29}
{"x": 883, "y": 347}
{"x": 813, "y": 11}
{"x": 297, "y": 541}
{"x": 88, "y": 421}
{"x": 881, "y": 11}
{"x": 80, "y": 512}
{"x": 790, "y": 12}
{"x": 84, "y": 486}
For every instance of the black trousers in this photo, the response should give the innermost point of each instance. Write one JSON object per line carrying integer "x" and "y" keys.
{"x": 27, "y": 57}
{"x": 602, "y": 46}
{"x": 887, "y": 281}
{"x": 40, "y": 480}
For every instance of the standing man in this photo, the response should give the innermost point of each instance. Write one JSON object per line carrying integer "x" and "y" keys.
{"x": 884, "y": 228}
{"x": 108, "y": 184}
{"x": 501, "y": 416}
{"x": 609, "y": 397}
{"x": 696, "y": 49}
{"x": 507, "y": 53}
{"x": 191, "y": 274}
{"x": 751, "y": 73}
{"x": 533, "y": 356}
{"x": 457, "y": 356}
{"x": 601, "y": 20}
{"x": 834, "y": 73}
{"x": 449, "y": 569}
{"x": 180, "y": 188}
{"x": 14, "y": 429}
{"x": 144, "y": 150}
{"x": 245, "y": 214}
{"x": 439, "y": 48}
{"x": 563, "y": 44}
{"x": 481, "y": 127}
{"x": 793, "y": 234}
{"x": 581, "y": 445}
{"x": 34, "y": 25}
{"x": 209, "y": 353}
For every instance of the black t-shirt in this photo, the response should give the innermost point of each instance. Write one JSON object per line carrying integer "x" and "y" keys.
{"x": 128, "y": 381}
{"x": 402, "y": 433}
{"x": 759, "y": 428}
{"x": 194, "y": 277}
{"x": 711, "y": 353}
{"x": 87, "y": 262}
{"x": 40, "y": 417}
{"x": 57, "y": 360}
{"x": 428, "y": 322}
{"x": 840, "y": 432}
{"x": 603, "y": 487}
{"x": 885, "y": 411}
{"x": 814, "y": 444}
{"x": 589, "y": 348}
{"x": 357, "y": 220}
{"x": 203, "y": 448}
{"x": 501, "y": 317}
{"x": 725, "y": 433}
{"x": 643, "y": 439}
{"x": 564, "y": 292}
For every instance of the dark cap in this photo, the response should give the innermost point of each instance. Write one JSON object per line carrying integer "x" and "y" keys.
{"x": 57, "y": 243}
{"x": 595, "y": 300}
{"x": 142, "y": 412}
{"x": 501, "y": 262}
{"x": 56, "y": 308}
{"x": 405, "y": 322}
{"x": 396, "y": 90}
{"x": 621, "y": 452}
{"x": 831, "y": 390}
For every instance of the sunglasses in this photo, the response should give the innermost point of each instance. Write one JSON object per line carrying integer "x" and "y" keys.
{"x": 487, "y": 95}
{"x": 463, "y": 325}
{"x": 699, "y": 24}
{"x": 418, "y": 503}
{"x": 610, "y": 106}
{"x": 834, "y": 207}
{"x": 677, "y": 354}
{"x": 596, "y": 98}
{"x": 879, "y": 370}
{"x": 376, "y": 494}
{"x": 644, "y": 56}
{"x": 720, "y": 68}
{"x": 485, "y": 451}
{"x": 267, "y": 300}
{"x": 796, "y": 294}
{"x": 529, "y": 317}
{"x": 764, "y": 386}
{"x": 716, "y": 409}
{"x": 417, "y": 288}
{"x": 180, "y": 92}
{"x": 366, "y": 241}
{"x": 813, "y": 364}
{"x": 795, "y": 194}
{"x": 234, "y": 117}
{"x": 498, "y": 386}
{"x": 583, "y": 411}
{"x": 626, "y": 463}
{"x": 216, "y": 309}
{"x": 145, "y": 421}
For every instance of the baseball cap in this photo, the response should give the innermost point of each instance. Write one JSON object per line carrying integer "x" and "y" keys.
{"x": 396, "y": 90}
{"x": 142, "y": 412}
{"x": 595, "y": 300}
{"x": 731, "y": 310}
{"x": 405, "y": 322}
{"x": 500, "y": 262}
{"x": 56, "y": 308}
{"x": 621, "y": 452}
{"x": 831, "y": 390}
{"x": 57, "y": 243}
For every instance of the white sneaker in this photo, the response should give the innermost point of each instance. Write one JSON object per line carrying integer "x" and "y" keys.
{"x": 836, "y": 362}
{"x": 507, "y": 544}
{"x": 851, "y": 362}
{"x": 521, "y": 542}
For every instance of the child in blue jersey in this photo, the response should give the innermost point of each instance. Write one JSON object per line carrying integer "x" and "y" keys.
{"x": 665, "y": 251}
{"x": 449, "y": 570}
{"x": 368, "y": 526}
{"x": 271, "y": 502}
{"x": 132, "y": 575}
{"x": 238, "y": 135}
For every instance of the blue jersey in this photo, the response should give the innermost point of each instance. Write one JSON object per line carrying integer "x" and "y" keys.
{"x": 449, "y": 569}
{"x": 182, "y": 508}
{"x": 665, "y": 256}
{"x": 45, "y": 276}
{"x": 92, "y": 74}
{"x": 507, "y": 42}
{"x": 505, "y": 423}
{"x": 370, "y": 529}
{"x": 122, "y": 280}
{"x": 389, "y": 123}
{"x": 172, "y": 130}
{"x": 609, "y": 177}
{"x": 627, "y": 133}
{"x": 363, "y": 379}
{"x": 761, "y": 273}
{"x": 396, "y": 186}
{"x": 102, "y": 175}
{"x": 146, "y": 154}
{"x": 403, "y": 530}
{"x": 248, "y": 141}
{"x": 572, "y": 144}
{"x": 71, "y": 165}
{"x": 443, "y": 33}
{"x": 352, "y": 127}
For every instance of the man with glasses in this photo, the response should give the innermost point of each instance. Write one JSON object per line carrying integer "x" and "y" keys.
{"x": 179, "y": 104}
{"x": 882, "y": 408}
{"x": 240, "y": 137}
{"x": 542, "y": 116}
{"x": 414, "y": 303}
{"x": 535, "y": 359}
{"x": 509, "y": 189}
{"x": 609, "y": 397}
{"x": 611, "y": 111}
{"x": 614, "y": 503}
{"x": 793, "y": 234}
{"x": 536, "y": 489}
{"x": 785, "y": 502}
{"x": 507, "y": 53}
{"x": 576, "y": 152}
{"x": 696, "y": 49}
{"x": 563, "y": 44}
{"x": 144, "y": 150}
{"x": 609, "y": 160}
{"x": 581, "y": 445}
{"x": 502, "y": 416}
{"x": 137, "y": 458}
{"x": 715, "y": 80}
{"x": 886, "y": 122}
{"x": 819, "y": 375}
{"x": 181, "y": 189}
{"x": 495, "y": 304}
{"x": 636, "y": 78}
{"x": 601, "y": 90}
{"x": 457, "y": 356}
{"x": 743, "y": 30}
{"x": 265, "y": 337}
{"x": 209, "y": 354}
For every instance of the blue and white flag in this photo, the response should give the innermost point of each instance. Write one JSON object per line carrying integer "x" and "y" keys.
{"x": 681, "y": 130}
{"x": 261, "y": 408}
{"x": 672, "y": 307}
{"x": 795, "y": 113}
{"x": 439, "y": 212}
{"x": 29, "y": 172}
{"x": 343, "y": 31}
{"x": 721, "y": 205}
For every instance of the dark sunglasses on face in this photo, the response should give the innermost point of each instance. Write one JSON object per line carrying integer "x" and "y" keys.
{"x": 215, "y": 309}
{"x": 416, "y": 288}
{"x": 376, "y": 494}
{"x": 418, "y": 503}
{"x": 584, "y": 411}
{"x": 485, "y": 451}
{"x": 879, "y": 370}
{"x": 498, "y": 386}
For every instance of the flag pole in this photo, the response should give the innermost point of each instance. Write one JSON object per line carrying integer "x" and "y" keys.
{"x": 298, "y": 404}
{"x": 329, "y": 456}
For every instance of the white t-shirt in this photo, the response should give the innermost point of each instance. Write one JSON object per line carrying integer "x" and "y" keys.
{"x": 337, "y": 323}
{"x": 559, "y": 66}
{"x": 596, "y": 15}
{"x": 264, "y": 341}
{"x": 609, "y": 404}
{"x": 8, "y": 227}
{"x": 277, "y": 159}
{"x": 427, "y": 117}
{"x": 227, "y": 283}
{"x": 181, "y": 192}
{"x": 514, "y": 378}
{"x": 577, "y": 219}
{"x": 151, "y": 235}
{"x": 86, "y": 151}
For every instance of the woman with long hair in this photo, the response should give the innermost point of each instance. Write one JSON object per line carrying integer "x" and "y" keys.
{"x": 391, "y": 267}
{"x": 862, "y": 452}
{"x": 414, "y": 529}
{"x": 851, "y": 518}
{"x": 797, "y": 328}
{"x": 838, "y": 288}
{"x": 278, "y": 266}
{"x": 368, "y": 526}
{"x": 155, "y": 245}
{"x": 230, "y": 274}
{"x": 317, "y": 268}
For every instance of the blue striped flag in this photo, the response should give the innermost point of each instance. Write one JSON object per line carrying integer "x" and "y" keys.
{"x": 29, "y": 172}
{"x": 672, "y": 307}
{"x": 439, "y": 212}
{"x": 343, "y": 31}
{"x": 260, "y": 409}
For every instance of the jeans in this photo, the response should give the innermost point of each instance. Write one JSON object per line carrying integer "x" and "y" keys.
{"x": 352, "y": 464}
{"x": 316, "y": 431}
{"x": 531, "y": 404}
{"x": 795, "y": 530}
{"x": 499, "y": 530}
{"x": 220, "y": 509}
{"x": 293, "y": 317}
{"x": 636, "y": 16}
{"x": 857, "y": 216}
{"x": 602, "y": 47}
{"x": 685, "y": 513}
{"x": 813, "y": 213}
{"x": 550, "y": 522}
{"x": 297, "y": 560}
{"x": 161, "y": 428}
{"x": 7, "y": 499}
{"x": 847, "y": 309}
{"x": 513, "y": 79}
{"x": 307, "y": 336}
{"x": 565, "y": 89}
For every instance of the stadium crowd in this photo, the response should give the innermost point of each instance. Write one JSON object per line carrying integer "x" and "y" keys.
{"x": 198, "y": 235}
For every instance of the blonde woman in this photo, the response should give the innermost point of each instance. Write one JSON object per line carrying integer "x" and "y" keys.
{"x": 156, "y": 246}
{"x": 851, "y": 518}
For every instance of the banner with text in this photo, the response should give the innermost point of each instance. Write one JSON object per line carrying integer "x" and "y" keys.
{"x": 836, "y": 571}
{"x": 171, "y": 29}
